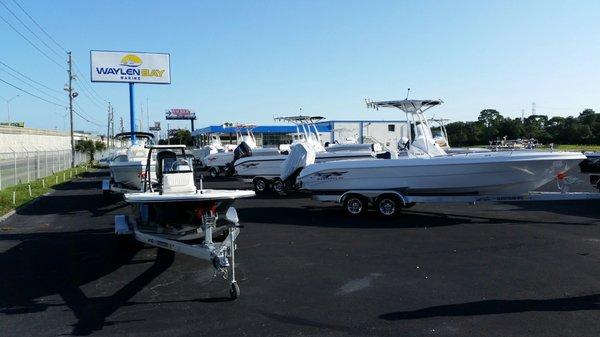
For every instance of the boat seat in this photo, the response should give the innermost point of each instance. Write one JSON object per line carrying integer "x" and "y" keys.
{"x": 178, "y": 182}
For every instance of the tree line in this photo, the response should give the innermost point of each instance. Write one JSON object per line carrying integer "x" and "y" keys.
{"x": 491, "y": 126}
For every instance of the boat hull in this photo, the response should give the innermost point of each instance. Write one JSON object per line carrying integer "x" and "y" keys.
{"x": 128, "y": 174}
{"x": 476, "y": 174}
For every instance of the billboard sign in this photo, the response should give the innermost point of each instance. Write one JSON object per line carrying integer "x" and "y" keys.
{"x": 156, "y": 127}
{"x": 15, "y": 124}
{"x": 130, "y": 67}
{"x": 180, "y": 114}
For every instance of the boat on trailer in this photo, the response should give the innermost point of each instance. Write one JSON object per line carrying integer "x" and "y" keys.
{"x": 172, "y": 213}
{"x": 426, "y": 173}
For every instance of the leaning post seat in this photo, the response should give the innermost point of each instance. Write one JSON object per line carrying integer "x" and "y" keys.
{"x": 178, "y": 182}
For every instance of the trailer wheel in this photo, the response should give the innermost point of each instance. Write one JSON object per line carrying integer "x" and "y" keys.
{"x": 278, "y": 185}
{"x": 388, "y": 205}
{"x": 234, "y": 291}
{"x": 356, "y": 205}
{"x": 260, "y": 185}
{"x": 213, "y": 172}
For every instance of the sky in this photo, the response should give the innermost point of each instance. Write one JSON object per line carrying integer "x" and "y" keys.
{"x": 247, "y": 61}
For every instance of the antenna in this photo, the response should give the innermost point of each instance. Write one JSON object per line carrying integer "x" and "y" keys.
{"x": 407, "y": 92}
{"x": 533, "y": 108}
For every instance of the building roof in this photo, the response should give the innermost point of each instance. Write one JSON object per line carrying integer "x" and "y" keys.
{"x": 324, "y": 126}
{"x": 259, "y": 129}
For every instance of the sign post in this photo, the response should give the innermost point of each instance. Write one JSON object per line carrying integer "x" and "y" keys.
{"x": 132, "y": 113}
{"x": 131, "y": 68}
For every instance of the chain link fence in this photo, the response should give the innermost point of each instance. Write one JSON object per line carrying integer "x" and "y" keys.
{"x": 18, "y": 167}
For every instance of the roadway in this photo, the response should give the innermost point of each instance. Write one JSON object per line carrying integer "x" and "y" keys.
{"x": 306, "y": 269}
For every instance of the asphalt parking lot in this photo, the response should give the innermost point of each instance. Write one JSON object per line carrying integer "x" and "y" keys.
{"x": 304, "y": 268}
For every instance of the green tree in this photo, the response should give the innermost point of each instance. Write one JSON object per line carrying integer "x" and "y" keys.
{"x": 535, "y": 127}
{"x": 490, "y": 119}
{"x": 89, "y": 147}
{"x": 180, "y": 136}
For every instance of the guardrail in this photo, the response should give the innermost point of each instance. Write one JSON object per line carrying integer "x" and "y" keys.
{"x": 18, "y": 167}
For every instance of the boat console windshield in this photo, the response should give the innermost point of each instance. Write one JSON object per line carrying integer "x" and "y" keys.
{"x": 420, "y": 141}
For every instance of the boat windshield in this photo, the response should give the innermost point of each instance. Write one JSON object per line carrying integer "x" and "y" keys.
{"x": 176, "y": 165}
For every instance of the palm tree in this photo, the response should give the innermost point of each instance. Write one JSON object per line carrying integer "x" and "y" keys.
{"x": 89, "y": 147}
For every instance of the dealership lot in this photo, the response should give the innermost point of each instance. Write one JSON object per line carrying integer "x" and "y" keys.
{"x": 306, "y": 269}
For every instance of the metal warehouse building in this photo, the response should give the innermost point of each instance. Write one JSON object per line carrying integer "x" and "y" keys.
{"x": 365, "y": 131}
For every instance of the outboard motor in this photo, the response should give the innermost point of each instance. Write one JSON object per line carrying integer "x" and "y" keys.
{"x": 241, "y": 151}
{"x": 384, "y": 155}
{"x": 301, "y": 155}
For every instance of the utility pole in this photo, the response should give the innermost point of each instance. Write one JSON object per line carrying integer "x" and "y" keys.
{"x": 71, "y": 109}
{"x": 122, "y": 128}
{"x": 141, "y": 117}
{"x": 112, "y": 125}
{"x": 108, "y": 128}
{"x": 147, "y": 115}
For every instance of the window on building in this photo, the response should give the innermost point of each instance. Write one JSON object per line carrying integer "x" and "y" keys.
{"x": 391, "y": 127}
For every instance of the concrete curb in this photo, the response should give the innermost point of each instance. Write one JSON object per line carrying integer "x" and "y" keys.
{"x": 7, "y": 215}
{"x": 25, "y": 205}
{"x": 29, "y": 203}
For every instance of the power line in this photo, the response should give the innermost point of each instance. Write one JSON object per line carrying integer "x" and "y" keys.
{"x": 85, "y": 119}
{"x": 86, "y": 92}
{"x": 83, "y": 111}
{"x": 29, "y": 29}
{"x": 34, "y": 95}
{"x": 86, "y": 89}
{"x": 31, "y": 86}
{"x": 40, "y": 27}
{"x": 89, "y": 86}
{"x": 31, "y": 43}
{"x": 29, "y": 78}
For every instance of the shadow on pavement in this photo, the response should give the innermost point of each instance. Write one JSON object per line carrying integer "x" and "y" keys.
{"x": 334, "y": 217}
{"x": 494, "y": 307}
{"x": 580, "y": 208}
{"x": 45, "y": 264}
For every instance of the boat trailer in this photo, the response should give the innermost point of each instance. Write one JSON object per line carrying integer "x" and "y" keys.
{"x": 221, "y": 254}
{"x": 389, "y": 203}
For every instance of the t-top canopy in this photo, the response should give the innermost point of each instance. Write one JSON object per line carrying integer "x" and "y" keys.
{"x": 239, "y": 126}
{"x": 407, "y": 105}
{"x": 299, "y": 119}
{"x": 174, "y": 146}
{"x": 138, "y": 134}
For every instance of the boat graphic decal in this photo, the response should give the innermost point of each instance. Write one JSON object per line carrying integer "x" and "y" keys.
{"x": 330, "y": 175}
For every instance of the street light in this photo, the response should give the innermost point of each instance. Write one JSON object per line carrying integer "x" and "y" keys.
{"x": 8, "y": 106}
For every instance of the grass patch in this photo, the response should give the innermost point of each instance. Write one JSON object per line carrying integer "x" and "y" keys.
{"x": 38, "y": 188}
{"x": 562, "y": 147}
{"x": 577, "y": 148}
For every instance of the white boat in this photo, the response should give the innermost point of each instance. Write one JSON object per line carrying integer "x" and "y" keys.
{"x": 171, "y": 213}
{"x": 345, "y": 142}
{"x": 219, "y": 162}
{"x": 426, "y": 169}
{"x": 127, "y": 169}
{"x": 267, "y": 171}
{"x": 214, "y": 146}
